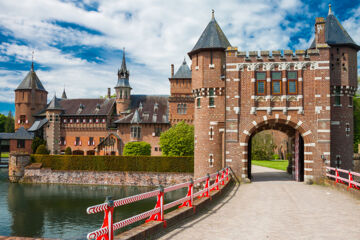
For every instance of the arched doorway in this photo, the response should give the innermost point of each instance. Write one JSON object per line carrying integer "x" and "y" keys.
{"x": 294, "y": 144}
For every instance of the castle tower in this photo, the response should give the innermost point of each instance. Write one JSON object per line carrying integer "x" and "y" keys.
{"x": 122, "y": 88}
{"x": 30, "y": 98}
{"x": 53, "y": 112}
{"x": 208, "y": 84}
{"x": 181, "y": 101}
{"x": 343, "y": 84}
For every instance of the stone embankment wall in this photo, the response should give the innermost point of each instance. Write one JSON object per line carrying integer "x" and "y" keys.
{"x": 45, "y": 175}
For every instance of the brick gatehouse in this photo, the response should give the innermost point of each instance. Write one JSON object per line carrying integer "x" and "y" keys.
{"x": 307, "y": 94}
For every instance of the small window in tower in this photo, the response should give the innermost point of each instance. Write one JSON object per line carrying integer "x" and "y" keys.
{"x": 211, "y": 97}
{"x": 157, "y": 131}
{"x": 56, "y": 118}
{"x": 211, "y": 160}
{"x": 350, "y": 101}
{"x": 198, "y": 102}
{"x": 211, "y": 133}
{"x": 337, "y": 96}
{"x": 22, "y": 119}
{"x": 347, "y": 129}
{"x": 211, "y": 57}
{"x": 197, "y": 59}
{"x": 120, "y": 92}
{"x": 20, "y": 143}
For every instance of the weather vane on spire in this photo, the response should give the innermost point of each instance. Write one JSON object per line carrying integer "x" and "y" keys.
{"x": 330, "y": 12}
{"x": 212, "y": 14}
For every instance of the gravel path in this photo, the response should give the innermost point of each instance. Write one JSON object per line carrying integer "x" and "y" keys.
{"x": 275, "y": 207}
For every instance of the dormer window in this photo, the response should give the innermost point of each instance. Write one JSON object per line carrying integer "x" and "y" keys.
{"x": 81, "y": 106}
{"x": 156, "y": 106}
{"x": 98, "y": 106}
{"x": 140, "y": 107}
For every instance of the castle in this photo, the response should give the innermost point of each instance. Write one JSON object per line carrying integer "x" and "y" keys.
{"x": 229, "y": 96}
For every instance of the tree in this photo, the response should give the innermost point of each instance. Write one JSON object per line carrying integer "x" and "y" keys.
{"x": 68, "y": 151}
{"x": 262, "y": 146}
{"x": 42, "y": 150}
{"x": 178, "y": 140}
{"x": 137, "y": 149}
{"x": 36, "y": 143}
{"x": 9, "y": 123}
{"x": 2, "y": 122}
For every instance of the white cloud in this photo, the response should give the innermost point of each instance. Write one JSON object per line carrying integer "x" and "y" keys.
{"x": 155, "y": 34}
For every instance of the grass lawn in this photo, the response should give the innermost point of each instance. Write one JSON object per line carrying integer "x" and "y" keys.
{"x": 278, "y": 164}
{"x": 4, "y": 155}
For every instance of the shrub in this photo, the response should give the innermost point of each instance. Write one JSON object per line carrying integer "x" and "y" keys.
{"x": 68, "y": 151}
{"x": 42, "y": 150}
{"x": 275, "y": 156}
{"x": 36, "y": 143}
{"x": 137, "y": 149}
{"x": 178, "y": 140}
{"x": 116, "y": 163}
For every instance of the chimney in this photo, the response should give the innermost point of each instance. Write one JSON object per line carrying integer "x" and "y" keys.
{"x": 320, "y": 31}
{"x": 172, "y": 70}
{"x": 109, "y": 93}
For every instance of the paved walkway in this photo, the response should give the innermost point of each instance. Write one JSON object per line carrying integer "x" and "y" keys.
{"x": 275, "y": 207}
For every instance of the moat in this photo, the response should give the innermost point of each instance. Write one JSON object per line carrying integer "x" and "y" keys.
{"x": 59, "y": 211}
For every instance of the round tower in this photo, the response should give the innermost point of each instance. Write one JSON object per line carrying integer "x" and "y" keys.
{"x": 122, "y": 88}
{"x": 208, "y": 84}
{"x": 30, "y": 99}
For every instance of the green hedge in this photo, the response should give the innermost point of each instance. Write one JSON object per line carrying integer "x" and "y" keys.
{"x": 116, "y": 163}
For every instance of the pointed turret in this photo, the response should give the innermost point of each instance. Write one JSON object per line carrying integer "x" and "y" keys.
{"x": 335, "y": 33}
{"x": 122, "y": 88}
{"x": 212, "y": 38}
{"x": 54, "y": 104}
{"x": 30, "y": 98}
{"x": 183, "y": 72}
{"x": 64, "y": 95}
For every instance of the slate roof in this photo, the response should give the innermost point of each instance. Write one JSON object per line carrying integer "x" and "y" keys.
{"x": 21, "y": 133}
{"x": 212, "y": 37}
{"x": 335, "y": 34}
{"x": 31, "y": 80}
{"x": 83, "y": 106}
{"x": 54, "y": 104}
{"x": 38, "y": 124}
{"x": 183, "y": 71}
{"x": 147, "y": 109}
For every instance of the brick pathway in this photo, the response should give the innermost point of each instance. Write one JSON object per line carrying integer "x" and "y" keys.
{"x": 275, "y": 207}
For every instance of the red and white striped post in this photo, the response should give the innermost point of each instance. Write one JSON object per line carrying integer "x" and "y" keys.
{"x": 108, "y": 220}
{"x": 223, "y": 177}
{"x": 216, "y": 181}
{"x": 227, "y": 174}
{"x": 336, "y": 176}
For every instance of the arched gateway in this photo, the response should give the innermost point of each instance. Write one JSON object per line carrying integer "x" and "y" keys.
{"x": 306, "y": 93}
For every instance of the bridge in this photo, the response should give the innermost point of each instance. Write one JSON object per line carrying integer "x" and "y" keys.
{"x": 273, "y": 206}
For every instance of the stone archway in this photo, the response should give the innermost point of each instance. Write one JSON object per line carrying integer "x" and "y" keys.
{"x": 305, "y": 137}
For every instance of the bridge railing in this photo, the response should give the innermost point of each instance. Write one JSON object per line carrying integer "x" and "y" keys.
{"x": 108, "y": 227}
{"x": 349, "y": 180}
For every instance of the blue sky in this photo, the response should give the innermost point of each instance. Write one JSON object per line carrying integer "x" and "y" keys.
{"x": 78, "y": 44}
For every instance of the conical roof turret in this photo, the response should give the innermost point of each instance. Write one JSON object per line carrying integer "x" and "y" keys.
{"x": 211, "y": 38}
{"x": 183, "y": 71}
{"x": 335, "y": 33}
{"x": 31, "y": 81}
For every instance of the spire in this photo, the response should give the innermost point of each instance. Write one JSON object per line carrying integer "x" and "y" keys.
{"x": 123, "y": 74}
{"x": 330, "y": 12}
{"x": 212, "y": 14}
{"x": 64, "y": 94}
{"x": 54, "y": 104}
{"x": 32, "y": 61}
{"x": 211, "y": 38}
{"x": 184, "y": 62}
{"x": 183, "y": 72}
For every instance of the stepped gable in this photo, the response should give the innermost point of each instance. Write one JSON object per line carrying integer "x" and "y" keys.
{"x": 335, "y": 33}
{"x": 147, "y": 109}
{"x": 212, "y": 37}
{"x": 183, "y": 72}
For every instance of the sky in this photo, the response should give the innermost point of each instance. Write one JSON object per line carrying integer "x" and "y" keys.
{"x": 79, "y": 44}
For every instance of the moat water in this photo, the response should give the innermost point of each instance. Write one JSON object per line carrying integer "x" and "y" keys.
{"x": 59, "y": 211}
